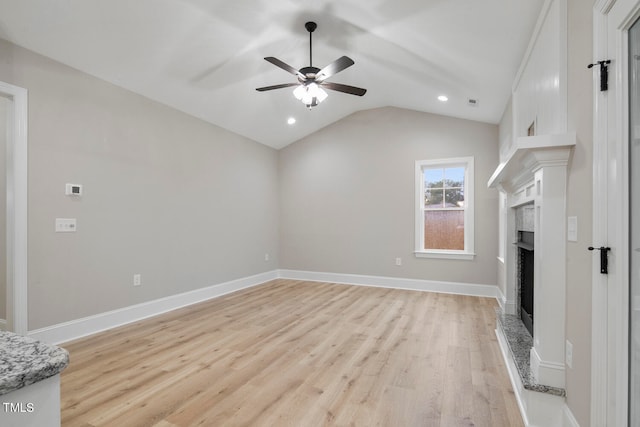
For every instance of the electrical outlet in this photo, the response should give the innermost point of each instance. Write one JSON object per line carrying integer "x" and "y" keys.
{"x": 137, "y": 280}
{"x": 569, "y": 354}
{"x": 65, "y": 225}
{"x": 398, "y": 261}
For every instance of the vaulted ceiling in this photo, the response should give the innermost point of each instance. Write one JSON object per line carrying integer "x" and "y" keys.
{"x": 206, "y": 57}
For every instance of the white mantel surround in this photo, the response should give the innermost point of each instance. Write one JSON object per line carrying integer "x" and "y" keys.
{"x": 536, "y": 172}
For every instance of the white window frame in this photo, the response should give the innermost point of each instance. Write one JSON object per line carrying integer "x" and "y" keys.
{"x": 468, "y": 252}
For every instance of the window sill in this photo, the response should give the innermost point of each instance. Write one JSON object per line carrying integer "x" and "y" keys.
{"x": 468, "y": 256}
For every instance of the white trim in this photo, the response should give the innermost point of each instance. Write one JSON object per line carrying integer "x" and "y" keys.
{"x": 530, "y": 153}
{"x": 67, "y": 331}
{"x": 599, "y": 322}
{"x": 602, "y": 7}
{"x": 568, "y": 419}
{"x": 545, "y": 372}
{"x": 610, "y": 294}
{"x": 444, "y": 254}
{"x": 478, "y": 290}
{"x": 17, "y": 208}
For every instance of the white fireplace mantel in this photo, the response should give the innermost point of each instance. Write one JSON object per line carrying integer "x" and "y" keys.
{"x": 528, "y": 154}
{"x": 535, "y": 172}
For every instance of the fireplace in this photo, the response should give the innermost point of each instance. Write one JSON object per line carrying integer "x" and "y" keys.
{"x": 533, "y": 178}
{"x": 525, "y": 278}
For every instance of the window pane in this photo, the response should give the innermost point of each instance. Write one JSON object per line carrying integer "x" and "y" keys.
{"x": 444, "y": 230}
{"x": 433, "y": 178}
{"x": 454, "y": 198}
{"x": 454, "y": 177}
{"x": 433, "y": 199}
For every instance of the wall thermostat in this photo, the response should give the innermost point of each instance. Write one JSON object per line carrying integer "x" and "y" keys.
{"x": 73, "y": 190}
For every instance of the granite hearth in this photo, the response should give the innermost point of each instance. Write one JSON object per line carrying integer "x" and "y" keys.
{"x": 520, "y": 344}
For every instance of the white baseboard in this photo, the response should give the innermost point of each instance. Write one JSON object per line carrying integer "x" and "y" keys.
{"x": 546, "y": 372}
{"x": 569, "y": 419}
{"x": 490, "y": 291}
{"x": 79, "y": 328}
{"x": 68, "y": 331}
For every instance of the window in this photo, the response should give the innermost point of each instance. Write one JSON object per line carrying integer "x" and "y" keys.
{"x": 444, "y": 208}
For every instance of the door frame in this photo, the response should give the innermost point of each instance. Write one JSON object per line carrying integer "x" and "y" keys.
{"x": 16, "y": 194}
{"x": 610, "y": 294}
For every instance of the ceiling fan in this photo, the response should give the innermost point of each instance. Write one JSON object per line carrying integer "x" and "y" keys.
{"x": 312, "y": 80}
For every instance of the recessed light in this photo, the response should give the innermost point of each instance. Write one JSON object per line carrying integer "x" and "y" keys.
{"x": 443, "y": 98}
{"x": 291, "y": 120}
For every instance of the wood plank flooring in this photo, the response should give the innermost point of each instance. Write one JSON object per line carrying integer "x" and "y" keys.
{"x": 290, "y": 353}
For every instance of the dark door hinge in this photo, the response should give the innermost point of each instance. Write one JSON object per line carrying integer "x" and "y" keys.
{"x": 604, "y": 258}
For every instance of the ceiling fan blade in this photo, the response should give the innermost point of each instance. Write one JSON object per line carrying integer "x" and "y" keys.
{"x": 333, "y": 68}
{"x": 262, "y": 89}
{"x": 352, "y": 90}
{"x": 286, "y": 67}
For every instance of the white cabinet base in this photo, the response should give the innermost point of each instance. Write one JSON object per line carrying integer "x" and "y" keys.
{"x": 36, "y": 405}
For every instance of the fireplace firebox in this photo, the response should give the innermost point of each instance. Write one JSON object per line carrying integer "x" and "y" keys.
{"x": 525, "y": 277}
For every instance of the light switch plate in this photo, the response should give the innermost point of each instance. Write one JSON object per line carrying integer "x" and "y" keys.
{"x": 572, "y": 229}
{"x": 569, "y": 354}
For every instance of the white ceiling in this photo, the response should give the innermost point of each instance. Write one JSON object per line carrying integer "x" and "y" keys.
{"x": 206, "y": 57}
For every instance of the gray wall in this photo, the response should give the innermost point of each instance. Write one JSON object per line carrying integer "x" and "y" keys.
{"x": 579, "y": 203}
{"x": 347, "y": 195}
{"x": 184, "y": 203}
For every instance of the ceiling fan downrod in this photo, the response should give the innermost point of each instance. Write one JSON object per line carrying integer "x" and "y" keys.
{"x": 311, "y": 27}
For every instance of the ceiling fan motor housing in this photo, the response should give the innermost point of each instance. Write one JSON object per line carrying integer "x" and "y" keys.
{"x": 310, "y": 74}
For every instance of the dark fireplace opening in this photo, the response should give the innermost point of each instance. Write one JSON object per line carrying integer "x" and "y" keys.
{"x": 525, "y": 277}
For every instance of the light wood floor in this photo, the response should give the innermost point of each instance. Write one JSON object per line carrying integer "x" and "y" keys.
{"x": 291, "y": 353}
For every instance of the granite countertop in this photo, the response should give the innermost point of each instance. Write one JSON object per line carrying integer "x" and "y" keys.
{"x": 24, "y": 361}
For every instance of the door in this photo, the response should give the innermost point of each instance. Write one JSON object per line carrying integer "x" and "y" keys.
{"x": 615, "y": 352}
{"x": 16, "y": 207}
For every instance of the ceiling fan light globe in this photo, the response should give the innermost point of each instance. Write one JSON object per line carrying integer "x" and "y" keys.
{"x": 320, "y": 94}
{"x": 310, "y": 95}
{"x": 299, "y": 92}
